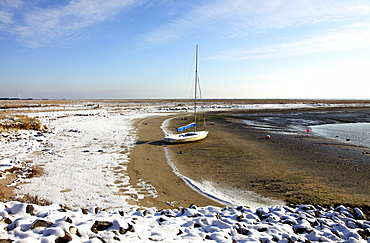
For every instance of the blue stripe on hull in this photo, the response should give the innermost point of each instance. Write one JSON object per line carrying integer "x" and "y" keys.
{"x": 179, "y": 129}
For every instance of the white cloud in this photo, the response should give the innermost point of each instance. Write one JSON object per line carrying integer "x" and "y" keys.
{"x": 5, "y": 17}
{"x": 6, "y": 11}
{"x": 236, "y": 18}
{"x": 39, "y": 25}
{"x": 351, "y": 38}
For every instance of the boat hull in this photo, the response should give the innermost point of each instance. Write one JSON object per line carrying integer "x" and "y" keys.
{"x": 186, "y": 137}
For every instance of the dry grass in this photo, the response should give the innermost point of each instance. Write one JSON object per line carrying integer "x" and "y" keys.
{"x": 21, "y": 122}
{"x": 27, "y": 198}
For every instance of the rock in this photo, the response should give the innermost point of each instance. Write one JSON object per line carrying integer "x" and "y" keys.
{"x": 242, "y": 231}
{"x": 343, "y": 210}
{"x": 41, "y": 223}
{"x": 6, "y": 221}
{"x": 359, "y": 214}
{"x": 190, "y": 212}
{"x": 30, "y": 209}
{"x": 66, "y": 238}
{"x": 365, "y": 234}
{"x": 302, "y": 227}
{"x": 168, "y": 213}
{"x": 74, "y": 231}
{"x": 130, "y": 228}
{"x": 100, "y": 226}
{"x": 196, "y": 225}
{"x": 69, "y": 220}
{"x": 240, "y": 218}
{"x": 262, "y": 213}
{"x": 18, "y": 209}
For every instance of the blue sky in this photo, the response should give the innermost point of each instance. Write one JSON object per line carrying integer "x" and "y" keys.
{"x": 145, "y": 48}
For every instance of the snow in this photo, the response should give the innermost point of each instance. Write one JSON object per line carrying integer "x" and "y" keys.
{"x": 31, "y": 223}
{"x": 85, "y": 156}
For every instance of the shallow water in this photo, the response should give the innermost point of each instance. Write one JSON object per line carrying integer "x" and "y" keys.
{"x": 355, "y": 133}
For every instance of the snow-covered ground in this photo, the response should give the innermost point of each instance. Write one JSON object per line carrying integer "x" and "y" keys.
{"x": 84, "y": 157}
{"x": 31, "y": 223}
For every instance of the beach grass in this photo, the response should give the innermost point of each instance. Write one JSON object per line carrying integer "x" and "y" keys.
{"x": 20, "y": 122}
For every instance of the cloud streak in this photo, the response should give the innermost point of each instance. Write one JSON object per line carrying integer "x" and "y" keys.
{"x": 235, "y": 19}
{"x": 36, "y": 25}
{"x": 39, "y": 25}
{"x": 350, "y": 39}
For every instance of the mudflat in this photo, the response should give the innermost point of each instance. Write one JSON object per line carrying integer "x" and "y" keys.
{"x": 297, "y": 167}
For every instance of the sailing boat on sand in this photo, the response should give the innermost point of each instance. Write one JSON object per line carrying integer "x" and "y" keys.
{"x": 195, "y": 135}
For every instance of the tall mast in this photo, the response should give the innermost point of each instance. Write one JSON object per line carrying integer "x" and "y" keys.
{"x": 195, "y": 88}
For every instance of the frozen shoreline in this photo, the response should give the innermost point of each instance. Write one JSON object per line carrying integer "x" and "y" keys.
{"x": 89, "y": 148}
{"x": 88, "y": 143}
{"x": 73, "y": 155}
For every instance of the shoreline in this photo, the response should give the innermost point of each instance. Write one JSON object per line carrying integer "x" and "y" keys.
{"x": 237, "y": 156}
{"x": 303, "y": 223}
{"x": 149, "y": 163}
{"x": 299, "y": 169}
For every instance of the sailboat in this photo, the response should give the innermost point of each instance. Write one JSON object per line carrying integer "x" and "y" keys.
{"x": 194, "y": 135}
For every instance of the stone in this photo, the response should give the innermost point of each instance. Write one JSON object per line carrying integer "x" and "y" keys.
{"x": 66, "y": 238}
{"x": 240, "y": 218}
{"x": 130, "y": 228}
{"x": 74, "y": 231}
{"x": 6, "y": 221}
{"x": 41, "y": 223}
{"x": 100, "y": 226}
{"x": 30, "y": 209}
{"x": 359, "y": 214}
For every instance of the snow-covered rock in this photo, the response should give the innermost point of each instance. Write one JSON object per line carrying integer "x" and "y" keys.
{"x": 54, "y": 223}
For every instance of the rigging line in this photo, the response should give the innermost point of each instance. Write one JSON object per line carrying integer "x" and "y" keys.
{"x": 188, "y": 92}
{"x": 202, "y": 104}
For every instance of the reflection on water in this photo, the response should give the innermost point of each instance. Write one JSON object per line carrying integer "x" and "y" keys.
{"x": 356, "y": 133}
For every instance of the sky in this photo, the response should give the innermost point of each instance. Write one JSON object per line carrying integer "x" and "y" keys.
{"x": 144, "y": 49}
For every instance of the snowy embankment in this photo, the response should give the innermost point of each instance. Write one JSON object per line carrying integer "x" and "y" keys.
{"x": 84, "y": 158}
{"x": 31, "y": 223}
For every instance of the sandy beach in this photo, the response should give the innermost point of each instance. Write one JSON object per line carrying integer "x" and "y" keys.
{"x": 297, "y": 168}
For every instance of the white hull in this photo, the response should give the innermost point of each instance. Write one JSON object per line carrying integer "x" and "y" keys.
{"x": 186, "y": 137}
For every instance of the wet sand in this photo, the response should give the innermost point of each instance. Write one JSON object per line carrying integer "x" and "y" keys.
{"x": 149, "y": 163}
{"x": 297, "y": 168}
